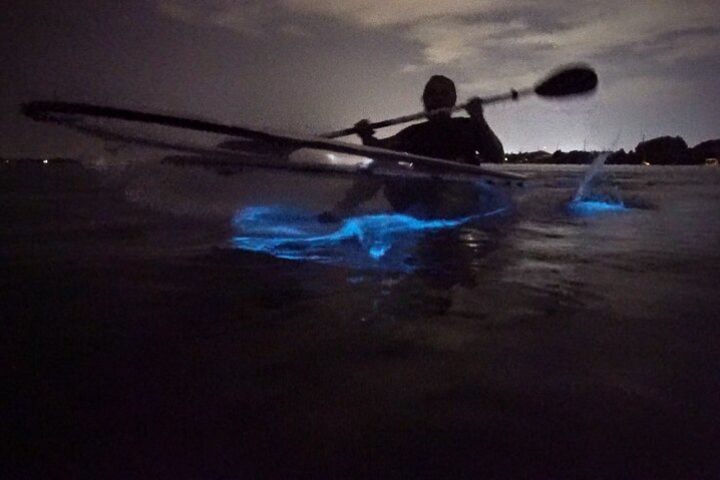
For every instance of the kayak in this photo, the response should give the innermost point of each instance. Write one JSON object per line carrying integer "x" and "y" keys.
{"x": 231, "y": 154}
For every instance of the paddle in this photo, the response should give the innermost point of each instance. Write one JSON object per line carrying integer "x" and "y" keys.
{"x": 567, "y": 81}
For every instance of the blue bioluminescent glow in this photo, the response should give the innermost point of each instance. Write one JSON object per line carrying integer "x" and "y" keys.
{"x": 362, "y": 240}
{"x": 592, "y": 207}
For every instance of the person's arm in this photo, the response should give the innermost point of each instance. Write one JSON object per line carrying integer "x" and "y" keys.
{"x": 490, "y": 147}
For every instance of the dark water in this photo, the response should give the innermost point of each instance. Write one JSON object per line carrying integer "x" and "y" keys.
{"x": 137, "y": 343}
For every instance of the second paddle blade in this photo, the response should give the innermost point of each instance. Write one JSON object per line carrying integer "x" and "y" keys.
{"x": 573, "y": 80}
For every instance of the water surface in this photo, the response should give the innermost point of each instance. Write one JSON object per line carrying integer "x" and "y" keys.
{"x": 139, "y": 342}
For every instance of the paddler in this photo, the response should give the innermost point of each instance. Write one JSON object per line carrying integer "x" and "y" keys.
{"x": 465, "y": 140}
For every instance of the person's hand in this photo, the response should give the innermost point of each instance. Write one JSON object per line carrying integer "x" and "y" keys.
{"x": 474, "y": 107}
{"x": 363, "y": 129}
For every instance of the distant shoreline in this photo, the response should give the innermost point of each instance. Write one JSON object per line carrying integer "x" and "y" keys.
{"x": 657, "y": 151}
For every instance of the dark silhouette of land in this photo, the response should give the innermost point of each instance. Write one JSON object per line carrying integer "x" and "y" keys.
{"x": 657, "y": 151}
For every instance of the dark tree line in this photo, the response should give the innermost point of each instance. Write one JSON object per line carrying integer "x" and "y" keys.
{"x": 657, "y": 151}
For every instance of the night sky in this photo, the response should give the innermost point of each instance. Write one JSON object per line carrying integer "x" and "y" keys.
{"x": 319, "y": 65}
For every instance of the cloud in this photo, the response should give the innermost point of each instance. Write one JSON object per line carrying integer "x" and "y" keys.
{"x": 446, "y": 41}
{"x": 507, "y": 36}
{"x": 244, "y": 17}
{"x": 386, "y": 13}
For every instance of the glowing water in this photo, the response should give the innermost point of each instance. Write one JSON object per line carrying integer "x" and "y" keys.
{"x": 591, "y": 207}
{"x": 361, "y": 240}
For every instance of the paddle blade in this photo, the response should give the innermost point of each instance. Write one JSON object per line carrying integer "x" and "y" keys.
{"x": 573, "y": 80}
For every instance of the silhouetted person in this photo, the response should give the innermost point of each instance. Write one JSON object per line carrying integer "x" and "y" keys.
{"x": 465, "y": 140}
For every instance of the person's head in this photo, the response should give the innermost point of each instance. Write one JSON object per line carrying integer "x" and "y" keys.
{"x": 439, "y": 93}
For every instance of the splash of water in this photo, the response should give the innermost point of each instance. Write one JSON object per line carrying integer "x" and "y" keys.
{"x": 592, "y": 172}
{"x": 585, "y": 202}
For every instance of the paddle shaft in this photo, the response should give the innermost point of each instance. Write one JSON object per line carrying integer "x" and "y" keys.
{"x": 511, "y": 95}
